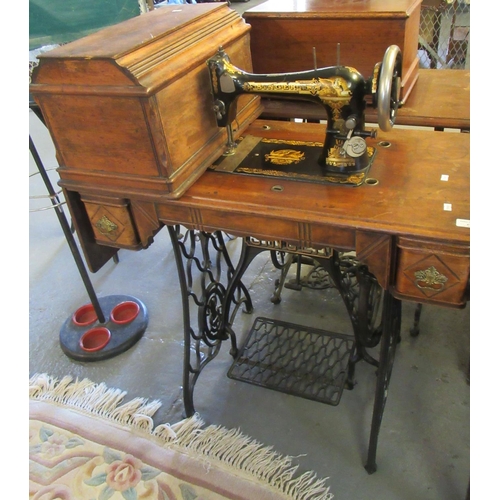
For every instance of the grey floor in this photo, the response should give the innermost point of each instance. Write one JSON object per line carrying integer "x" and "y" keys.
{"x": 424, "y": 441}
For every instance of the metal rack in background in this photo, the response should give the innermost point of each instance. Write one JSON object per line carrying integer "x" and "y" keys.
{"x": 444, "y": 35}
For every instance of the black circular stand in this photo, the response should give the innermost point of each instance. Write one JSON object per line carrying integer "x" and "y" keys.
{"x": 123, "y": 336}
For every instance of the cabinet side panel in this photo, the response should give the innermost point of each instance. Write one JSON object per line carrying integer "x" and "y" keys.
{"x": 101, "y": 133}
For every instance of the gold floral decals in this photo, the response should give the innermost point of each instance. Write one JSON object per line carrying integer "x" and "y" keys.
{"x": 285, "y": 156}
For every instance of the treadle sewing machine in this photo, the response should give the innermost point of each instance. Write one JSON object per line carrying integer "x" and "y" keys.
{"x": 154, "y": 125}
{"x": 345, "y": 157}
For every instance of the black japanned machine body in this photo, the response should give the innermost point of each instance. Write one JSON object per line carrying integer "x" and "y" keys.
{"x": 340, "y": 89}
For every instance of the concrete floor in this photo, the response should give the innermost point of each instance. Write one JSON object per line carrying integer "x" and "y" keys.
{"x": 423, "y": 448}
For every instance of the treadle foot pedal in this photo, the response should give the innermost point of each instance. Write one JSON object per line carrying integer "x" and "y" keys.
{"x": 297, "y": 360}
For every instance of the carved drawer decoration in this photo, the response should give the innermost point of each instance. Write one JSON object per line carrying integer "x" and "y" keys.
{"x": 438, "y": 272}
{"x": 112, "y": 224}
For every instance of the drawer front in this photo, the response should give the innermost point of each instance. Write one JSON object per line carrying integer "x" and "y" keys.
{"x": 434, "y": 273}
{"x": 112, "y": 223}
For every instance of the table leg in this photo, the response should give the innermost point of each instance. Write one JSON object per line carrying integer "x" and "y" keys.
{"x": 248, "y": 253}
{"x": 415, "y": 330}
{"x": 361, "y": 294}
{"x": 204, "y": 269}
{"x": 391, "y": 328}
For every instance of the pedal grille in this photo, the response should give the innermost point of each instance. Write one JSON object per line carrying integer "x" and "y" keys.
{"x": 297, "y": 360}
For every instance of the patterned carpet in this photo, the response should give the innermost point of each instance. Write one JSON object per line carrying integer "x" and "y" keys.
{"x": 87, "y": 444}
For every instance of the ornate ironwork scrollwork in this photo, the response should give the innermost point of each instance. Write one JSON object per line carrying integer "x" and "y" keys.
{"x": 359, "y": 289}
{"x": 362, "y": 295}
{"x": 210, "y": 314}
{"x": 205, "y": 270}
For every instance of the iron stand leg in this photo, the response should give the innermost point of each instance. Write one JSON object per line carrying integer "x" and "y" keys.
{"x": 248, "y": 253}
{"x": 295, "y": 285}
{"x": 280, "y": 282}
{"x": 391, "y": 328}
{"x": 415, "y": 330}
{"x": 203, "y": 266}
{"x": 360, "y": 292}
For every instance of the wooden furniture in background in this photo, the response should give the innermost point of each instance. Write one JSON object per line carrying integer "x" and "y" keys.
{"x": 285, "y": 33}
{"x": 440, "y": 99}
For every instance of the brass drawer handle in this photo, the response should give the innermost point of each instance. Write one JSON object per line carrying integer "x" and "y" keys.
{"x": 105, "y": 226}
{"x": 430, "y": 278}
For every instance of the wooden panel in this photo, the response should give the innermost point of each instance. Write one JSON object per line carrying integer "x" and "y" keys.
{"x": 428, "y": 272}
{"x": 91, "y": 134}
{"x": 244, "y": 224}
{"x": 440, "y": 98}
{"x": 130, "y": 106}
{"x": 285, "y": 34}
{"x": 294, "y": 50}
{"x": 145, "y": 220}
{"x": 112, "y": 223}
{"x": 95, "y": 255}
{"x": 375, "y": 250}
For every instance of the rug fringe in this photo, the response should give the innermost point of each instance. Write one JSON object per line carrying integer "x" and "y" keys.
{"x": 96, "y": 399}
{"x": 227, "y": 447}
{"x": 235, "y": 450}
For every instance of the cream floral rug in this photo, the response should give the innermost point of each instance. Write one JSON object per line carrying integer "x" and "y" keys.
{"x": 87, "y": 444}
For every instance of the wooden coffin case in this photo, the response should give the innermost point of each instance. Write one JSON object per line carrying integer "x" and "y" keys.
{"x": 285, "y": 34}
{"x": 129, "y": 108}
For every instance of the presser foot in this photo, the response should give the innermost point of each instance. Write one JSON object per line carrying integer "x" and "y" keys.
{"x": 230, "y": 149}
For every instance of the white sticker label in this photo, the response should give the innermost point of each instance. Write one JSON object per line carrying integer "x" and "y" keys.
{"x": 463, "y": 222}
{"x": 445, "y": 177}
{"x": 447, "y": 207}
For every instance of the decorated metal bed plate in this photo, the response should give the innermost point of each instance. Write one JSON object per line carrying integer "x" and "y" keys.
{"x": 292, "y": 160}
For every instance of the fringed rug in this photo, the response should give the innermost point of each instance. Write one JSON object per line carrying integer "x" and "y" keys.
{"x": 87, "y": 444}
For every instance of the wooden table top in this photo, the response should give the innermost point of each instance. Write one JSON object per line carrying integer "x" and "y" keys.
{"x": 439, "y": 99}
{"x": 412, "y": 222}
{"x": 410, "y": 198}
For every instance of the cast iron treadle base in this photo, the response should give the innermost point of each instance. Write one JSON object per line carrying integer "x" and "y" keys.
{"x": 294, "y": 359}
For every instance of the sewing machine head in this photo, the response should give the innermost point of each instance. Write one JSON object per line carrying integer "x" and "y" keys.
{"x": 340, "y": 89}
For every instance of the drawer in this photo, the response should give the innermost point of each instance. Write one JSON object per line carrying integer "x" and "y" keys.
{"x": 112, "y": 222}
{"x": 432, "y": 272}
